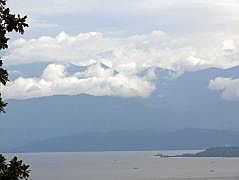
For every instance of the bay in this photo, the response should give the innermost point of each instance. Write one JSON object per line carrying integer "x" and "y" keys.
{"x": 138, "y": 165}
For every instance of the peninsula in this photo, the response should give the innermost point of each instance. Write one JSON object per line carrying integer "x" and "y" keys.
{"x": 210, "y": 152}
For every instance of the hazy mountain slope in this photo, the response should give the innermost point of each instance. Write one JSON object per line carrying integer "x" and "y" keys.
{"x": 177, "y": 103}
{"x": 135, "y": 140}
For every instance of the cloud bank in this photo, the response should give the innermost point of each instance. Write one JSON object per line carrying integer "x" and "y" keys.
{"x": 228, "y": 87}
{"x": 135, "y": 59}
{"x": 131, "y": 54}
{"x": 97, "y": 80}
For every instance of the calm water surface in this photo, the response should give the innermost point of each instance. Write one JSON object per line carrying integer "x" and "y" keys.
{"x": 128, "y": 166}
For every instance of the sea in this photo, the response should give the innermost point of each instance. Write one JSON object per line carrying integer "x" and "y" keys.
{"x": 123, "y": 165}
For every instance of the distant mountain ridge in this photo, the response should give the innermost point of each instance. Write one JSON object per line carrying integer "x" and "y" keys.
{"x": 135, "y": 140}
{"x": 177, "y": 103}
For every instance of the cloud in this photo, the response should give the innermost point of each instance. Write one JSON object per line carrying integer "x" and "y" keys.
{"x": 96, "y": 79}
{"x": 228, "y": 87}
{"x": 129, "y": 16}
{"x": 131, "y": 54}
{"x": 92, "y": 6}
{"x": 135, "y": 59}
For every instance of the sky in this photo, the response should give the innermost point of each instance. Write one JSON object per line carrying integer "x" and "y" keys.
{"x": 119, "y": 45}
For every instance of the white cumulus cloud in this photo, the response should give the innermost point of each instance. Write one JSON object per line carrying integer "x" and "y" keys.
{"x": 94, "y": 80}
{"x": 131, "y": 54}
{"x": 227, "y": 86}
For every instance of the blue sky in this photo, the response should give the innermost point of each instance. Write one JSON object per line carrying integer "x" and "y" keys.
{"x": 120, "y": 44}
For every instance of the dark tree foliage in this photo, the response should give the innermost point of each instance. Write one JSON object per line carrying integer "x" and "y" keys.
{"x": 8, "y": 23}
{"x": 14, "y": 170}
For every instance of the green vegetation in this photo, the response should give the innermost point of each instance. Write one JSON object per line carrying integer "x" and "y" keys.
{"x": 15, "y": 169}
{"x": 211, "y": 152}
{"x": 220, "y": 152}
{"x": 8, "y": 23}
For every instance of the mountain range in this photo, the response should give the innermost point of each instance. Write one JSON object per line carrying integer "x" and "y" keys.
{"x": 177, "y": 103}
{"x": 135, "y": 141}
